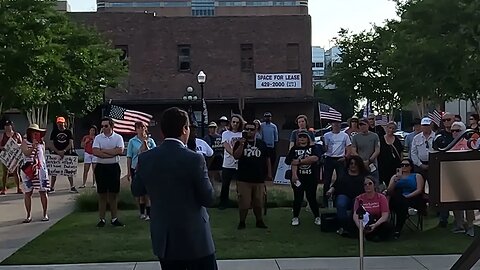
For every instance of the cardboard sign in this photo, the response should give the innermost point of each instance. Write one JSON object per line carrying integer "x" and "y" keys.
{"x": 280, "y": 174}
{"x": 66, "y": 166}
{"x": 11, "y": 155}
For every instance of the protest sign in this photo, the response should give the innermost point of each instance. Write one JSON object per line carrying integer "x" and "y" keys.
{"x": 280, "y": 174}
{"x": 66, "y": 166}
{"x": 11, "y": 155}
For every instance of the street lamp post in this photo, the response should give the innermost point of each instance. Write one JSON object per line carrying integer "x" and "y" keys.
{"x": 189, "y": 97}
{"x": 104, "y": 99}
{"x": 201, "y": 78}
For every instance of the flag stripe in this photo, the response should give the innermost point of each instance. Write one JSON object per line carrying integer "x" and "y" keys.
{"x": 328, "y": 113}
{"x": 125, "y": 119}
{"x": 436, "y": 117}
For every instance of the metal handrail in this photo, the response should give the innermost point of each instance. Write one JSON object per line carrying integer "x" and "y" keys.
{"x": 467, "y": 134}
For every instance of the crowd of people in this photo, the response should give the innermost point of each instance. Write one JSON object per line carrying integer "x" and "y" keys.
{"x": 365, "y": 162}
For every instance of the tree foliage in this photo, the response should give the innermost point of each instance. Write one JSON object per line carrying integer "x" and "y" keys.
{"x": 47, "y": 61}
{"x": 430, "y": 55}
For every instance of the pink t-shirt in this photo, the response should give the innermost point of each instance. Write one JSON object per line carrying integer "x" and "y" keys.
{"x": 374, "y": 206}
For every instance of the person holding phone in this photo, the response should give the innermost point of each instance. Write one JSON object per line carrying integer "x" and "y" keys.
{"x": 377, "y": 228}
{"x": 254, "y": 168}
{"x": 137, "y": 145}
{"x": 406, "y": 190}
{"x": 303, "y": 157}
{"x": 34, "y": 171}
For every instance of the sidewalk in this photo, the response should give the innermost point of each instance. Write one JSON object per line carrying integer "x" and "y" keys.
{"x": 433, "y": 262}
{"x": 14, "y": 234}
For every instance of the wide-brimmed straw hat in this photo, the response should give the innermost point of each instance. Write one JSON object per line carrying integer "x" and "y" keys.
{"x": 35, "y": 127}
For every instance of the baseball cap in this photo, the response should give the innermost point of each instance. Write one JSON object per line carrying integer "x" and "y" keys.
{"x": 267, "y": 114}
{"x": 8, "y": 123}
{"x": 426, "y": 121}
{"x": 212, "y": 124}
{"x": 60, "y": 120}
{"x": 363, "y": 120}
{"x": 223, "y": 118}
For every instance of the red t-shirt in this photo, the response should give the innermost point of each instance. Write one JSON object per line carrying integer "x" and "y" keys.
{"x": 374, "y": 206}
{"x": 88, "y": 144}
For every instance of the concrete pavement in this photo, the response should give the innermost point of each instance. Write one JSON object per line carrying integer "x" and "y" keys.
{"x": 15, "y": 235}
{"x": 433, "y": 262}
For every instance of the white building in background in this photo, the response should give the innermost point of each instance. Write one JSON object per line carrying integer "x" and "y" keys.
{"x": 318, "y": 65}
{"x": 332, "y": 56}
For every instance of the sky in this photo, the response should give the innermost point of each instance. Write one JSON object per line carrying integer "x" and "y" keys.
{"x": 328, "y": 16}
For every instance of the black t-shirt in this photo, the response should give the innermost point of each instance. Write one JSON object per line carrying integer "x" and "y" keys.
{"x": 303, "y": 152}
{"x": 215, "y": 141}
{"x": 349, "y": 185}
{"x": 61, "y": 138}
{"x": 445, "y": 140}
{"x": 252, "y": 165}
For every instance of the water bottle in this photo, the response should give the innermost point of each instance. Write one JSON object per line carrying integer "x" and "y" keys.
{"x": 330, "y": 203}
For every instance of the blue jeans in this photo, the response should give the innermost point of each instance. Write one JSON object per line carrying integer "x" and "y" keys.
{"x": 343, "y": 204}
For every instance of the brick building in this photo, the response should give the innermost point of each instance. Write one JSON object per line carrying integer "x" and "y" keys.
{"x": 165, "y": 55}
{"x": 184, "y": 8}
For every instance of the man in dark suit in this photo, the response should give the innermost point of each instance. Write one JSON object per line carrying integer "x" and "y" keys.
{"x": 176, "y": 179}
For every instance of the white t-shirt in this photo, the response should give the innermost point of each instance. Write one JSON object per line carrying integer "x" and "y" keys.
{"x": 203, "y": 147}
{"x": 108, "y": 142}
{"x": 230, "y": 137}
{"x": 336, "y": 143}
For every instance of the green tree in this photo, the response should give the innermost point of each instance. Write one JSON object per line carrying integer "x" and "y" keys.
{"x": 49, "y": 63}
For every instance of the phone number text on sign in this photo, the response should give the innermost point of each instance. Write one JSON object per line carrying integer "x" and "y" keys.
{"x": 278, "y": 81}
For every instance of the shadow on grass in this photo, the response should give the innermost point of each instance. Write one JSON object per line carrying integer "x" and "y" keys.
{"x": 75, "y": 239}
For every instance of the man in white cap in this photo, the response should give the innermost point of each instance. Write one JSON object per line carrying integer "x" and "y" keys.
{"x": 421, "y": 146}
{"x": 223, "y": 122}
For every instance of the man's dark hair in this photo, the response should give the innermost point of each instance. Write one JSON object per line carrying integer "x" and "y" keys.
{"x": 240, "y": 125}
{"x": 173, "y": 121}
{"x": 458, "y": 116}
{"x": 110, "y": 121}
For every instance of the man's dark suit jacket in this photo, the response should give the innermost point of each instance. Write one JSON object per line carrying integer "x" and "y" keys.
{"x": 176, "y": 180}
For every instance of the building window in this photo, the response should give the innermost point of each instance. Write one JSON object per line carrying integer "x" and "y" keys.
{"x": 246, "y": 57}
{"x": 319, "y": 65}
{"x": 293, "y": 61}
{"x": 184, "y": 57}
{"x": 124, "y": 49}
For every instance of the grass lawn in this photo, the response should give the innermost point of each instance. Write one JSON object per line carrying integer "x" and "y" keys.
{"x": 76, "y": 240}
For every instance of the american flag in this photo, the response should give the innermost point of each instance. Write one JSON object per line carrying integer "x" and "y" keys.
{"x": 329, "y": 113}
{"x": 125, "y": 119}
{"x": 436, "y": 117}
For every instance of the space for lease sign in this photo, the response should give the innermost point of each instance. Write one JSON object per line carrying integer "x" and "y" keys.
{"x": 278, "y": 81}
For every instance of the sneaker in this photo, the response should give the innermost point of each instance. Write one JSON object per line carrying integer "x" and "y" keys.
{"x": 412, "y": 211}
{"x": 147, "y": 218}
{"x": 470, "y": 232}
{"x": 142, "y": 216}
{"x": 318, "y": 221}
{"x": 261, "y": 225}
{"x": 93, "y": 186}
{"x": 101, "y": 223}
{"x": 341, "y": 231}
{"x": 457, "y": 229}
{"x": 117, "y": 223}
{"x": 3, "y": 191}
{"x": 396, "y": 235}
{"x": 82, "y": 186}
{"x": 51, "y": 191}
{"x": 73, "y": 190}
{"x": 241, "y": 226}
{"x": 295, "y": 221}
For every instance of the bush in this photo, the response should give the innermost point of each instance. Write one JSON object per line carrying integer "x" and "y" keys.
{"x": 88, "y": 201}
{"x": 277, "y": 196}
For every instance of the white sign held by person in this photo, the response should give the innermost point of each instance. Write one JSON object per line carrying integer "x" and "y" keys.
{"x": 278, "y": 81}
{"x": 11, "y": 155}
{"x": 280, "y": 174}
{"x": 66, "y": 166}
